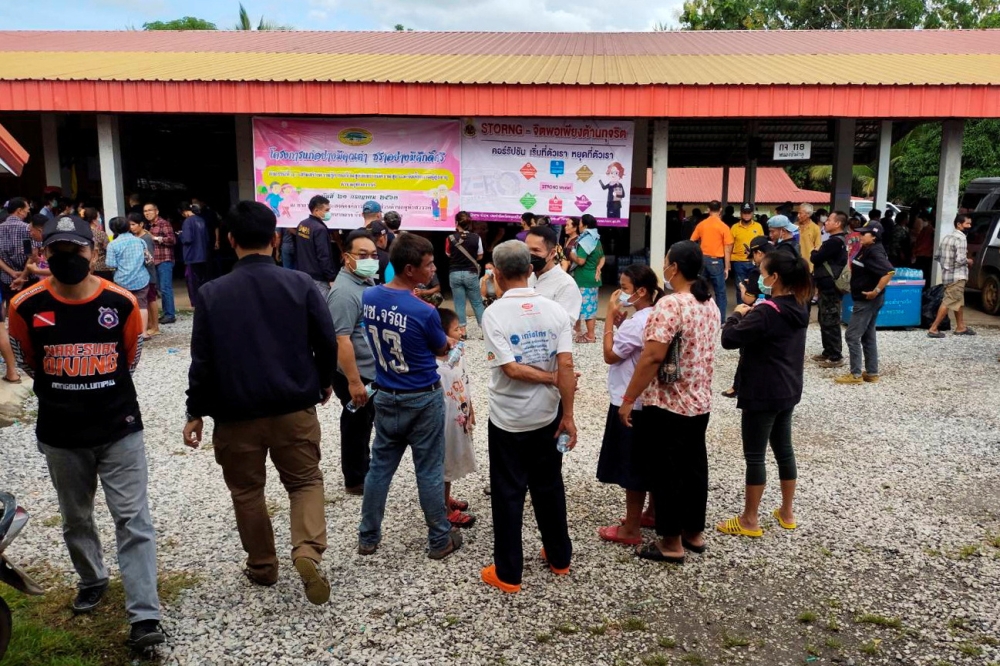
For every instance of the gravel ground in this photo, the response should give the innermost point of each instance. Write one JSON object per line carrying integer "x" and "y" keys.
{"x": 896, "y": 559}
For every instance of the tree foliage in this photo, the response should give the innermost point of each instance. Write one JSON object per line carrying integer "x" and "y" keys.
{"x": 915, "y": 173}
{"x": 244, "y": 22}
{"x": 185, "y": 23}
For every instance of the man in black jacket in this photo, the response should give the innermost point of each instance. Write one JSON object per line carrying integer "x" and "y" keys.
{"x": 263, "y": 353}
{"x": 312, "y": 245}
{"x": 828, "y": 260}
{"x": 782, "y": 233}
{"x": 871, "y": 273}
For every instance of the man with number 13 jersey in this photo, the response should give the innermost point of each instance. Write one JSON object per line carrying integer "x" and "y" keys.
{"x": 406, "y": 336}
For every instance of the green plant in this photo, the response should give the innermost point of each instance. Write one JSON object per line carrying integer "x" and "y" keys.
{"x": 832, "y": 624}
{"x": 807, "y": 617}
{"x": 451, "y": 621}
{"x": 598, "y": 629}
{"x": 879, "y": 620}
{"x": 567, "y": 628}
{"x": 965, "y": 552}
{"x": 833, "y": 644}
{"x": 970, "y": 650}
{"x": 734, "y": 641}
{"x": 635, "y": 624}
{"x": 666, "y": 642}
{"x": 825, "y": 552}
{"x": 694, "y": 659}
{"x": 543, "y": 637}
{"x": 872, "y": 647}
{"x": 655, "y": 660}
{"x": 52, "y": 521}
{"x": 958, "y": 623}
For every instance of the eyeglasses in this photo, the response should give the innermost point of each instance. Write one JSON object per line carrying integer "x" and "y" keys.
{"x": 364, "y": 255}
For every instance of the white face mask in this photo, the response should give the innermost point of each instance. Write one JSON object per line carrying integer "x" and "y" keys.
{"x": 624, "y": 300}
{"x": 365, "y": 268}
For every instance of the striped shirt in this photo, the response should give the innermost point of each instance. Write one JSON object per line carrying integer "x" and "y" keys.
{"x": 953, "y": 255}
{"x": 127, "y": 254}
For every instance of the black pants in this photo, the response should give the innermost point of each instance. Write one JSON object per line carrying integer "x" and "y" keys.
{"x": 355, "y": 433}
{"x": 520, "y": 462}
{"x": 736, "y": 375}
{"x": 676, "y": 464}
{"x": 829, "y": 325}
{"x": 758, "y": 428}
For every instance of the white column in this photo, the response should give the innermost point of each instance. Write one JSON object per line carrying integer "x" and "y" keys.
{"x": 244, "y": 157}
{"x": 948, "y": 177}
{"x": 658, "y": 216}
{"x": 843, "y": 163}
{"x": 110, "y": 156}
{"x": 640, "y": 158}
{"x": 50, "y": 152}
{"x": 882, "y": 175}
{"x": 724, "y": 199}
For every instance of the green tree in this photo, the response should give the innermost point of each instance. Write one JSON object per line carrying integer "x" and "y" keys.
{"x": 244, "y": 22}
{"x": 186, "y": 23}
{"x": 916, "y": 170}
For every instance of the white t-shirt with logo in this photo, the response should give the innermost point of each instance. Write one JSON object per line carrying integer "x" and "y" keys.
{"x": 523, "y": 327}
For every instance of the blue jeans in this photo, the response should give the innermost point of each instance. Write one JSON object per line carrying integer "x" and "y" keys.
{"x": 466, "y": 285}
{"x": 415, "y": 420}
{"x": 715, "y": 272}
{"x": 860, "y": 334}
{"x": 741, "y": 270}
{"x": 121, "y": 468}
{"x": 165, "y": 280}
{"x": 288, "y": 255}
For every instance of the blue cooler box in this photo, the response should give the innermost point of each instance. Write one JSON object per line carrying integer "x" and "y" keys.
{"x": 901, "y": 308}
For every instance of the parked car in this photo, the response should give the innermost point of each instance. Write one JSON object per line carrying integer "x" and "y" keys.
{"x": 984, "y": 247}
{"x": 982, "y": 194}
{"x": 864, "y": 206}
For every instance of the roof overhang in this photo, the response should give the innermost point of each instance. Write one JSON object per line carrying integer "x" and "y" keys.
{"x": 12, "y": 156}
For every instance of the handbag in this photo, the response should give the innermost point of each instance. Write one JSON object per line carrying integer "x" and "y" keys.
{"x": 670, "y": 368}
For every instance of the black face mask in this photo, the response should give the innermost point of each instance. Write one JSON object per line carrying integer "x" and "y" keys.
{"x": 69, "y": 267}
{"x": 538, "y": 264}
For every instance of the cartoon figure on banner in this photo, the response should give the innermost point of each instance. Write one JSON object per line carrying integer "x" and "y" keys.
{"x": 439, "y": 202}
{"x": 273, "y": 199}
{"x": 289, "y": 197}
{"x": 616, "y": 191}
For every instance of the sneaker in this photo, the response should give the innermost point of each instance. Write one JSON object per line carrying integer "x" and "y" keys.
{"x": 358, "y": 490}
{"x": 849, "y": 379}
{"x": 145, "y": 634}
{"x": 832, "y": 363}
{"x": 168, "y": 320}
{"x": 366, "y": 548}
{"x": 871, "y": 379}
{"x": 88, "y": 598}
{"x": 460, "y": 519}
{"x": 454, "y": 543}
{"x": 820, "y": 358}
{"x": 316, "y": 584}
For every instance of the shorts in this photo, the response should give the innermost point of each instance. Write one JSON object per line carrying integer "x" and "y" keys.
{"x": 142, "y": 296}
{"x": 954, "y": 295}
{"x": 152, "y": 293}
{"x": 588, "y": 310}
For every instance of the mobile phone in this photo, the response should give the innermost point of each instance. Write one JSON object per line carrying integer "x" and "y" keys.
{"x": 28, "y": 248}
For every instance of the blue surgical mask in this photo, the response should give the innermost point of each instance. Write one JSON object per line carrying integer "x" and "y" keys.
{"x": 489, "y": 272}
{"x": 625, "y": 300}
{"x": 326, "y": 216}
{"x": 764, "y": 289}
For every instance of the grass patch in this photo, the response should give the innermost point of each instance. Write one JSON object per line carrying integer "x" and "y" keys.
{"x": 807, "y": 617}
{"x": 812, "y": 650}
{"x": 832, "y": 624}
{"x": 966, "y": 552}
{"x": 958, "y": 623}
{"x": 694, "y": 659}
{"x": 825, "y": 552}
{"x": 993, "y": 541}
{"x": 625, "y": 558}
{"x": 544, "y": 637}
{"x": 52, "y": 521}
{"x": 833, "y": 644}
{"x": 872, "y": 647}
{"x": 567, "y": 628}
{"x": 451, "y": 621}
{"x": 834, "y": 603}
{"x": 635, "y": 624}
{"x": 734, "y": 641}
{"x": 932, "y": 552}
{"x": 879, "y": 620}
{"x": 47, "y": 632}
{"x": 970, "y": 650}
{"x": 655, "y": 660}
{"x": 667, "y": 642}
{"x": 598, "y": 629}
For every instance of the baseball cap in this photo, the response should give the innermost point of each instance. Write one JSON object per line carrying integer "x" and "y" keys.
{"x": 757, "y": 243}
{"x": 371, "y": 207}
{"x": 377, "y": 229}
{"x": 68, "y": 228}
{"x": 746, "y": 208}
{"x": 781, "y": 222}
{"x": 873, "y": 228}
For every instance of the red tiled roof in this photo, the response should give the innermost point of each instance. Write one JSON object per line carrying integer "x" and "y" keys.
{"x": 12, "y": 156}
{"x": 774, "y": 186}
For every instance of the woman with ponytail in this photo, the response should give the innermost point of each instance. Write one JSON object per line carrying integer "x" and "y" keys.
{"x": 772, "y": 336}
{"x": 623, "y": 338}
{"x": 670, "y": 440}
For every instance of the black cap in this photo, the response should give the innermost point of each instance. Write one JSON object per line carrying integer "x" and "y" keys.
{"x": 69, "y": 229}
{"x": 873, "y": 228}
{"x": 747, "y": 208}
{"x": 378, "y": 229}
{"x": 757, "y": 243}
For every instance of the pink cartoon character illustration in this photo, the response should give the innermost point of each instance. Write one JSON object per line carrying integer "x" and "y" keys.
{"x": 616, "y": 191}
{"x": 289, "y": 196}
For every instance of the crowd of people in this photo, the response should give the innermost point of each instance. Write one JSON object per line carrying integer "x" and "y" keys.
{"x": 357, "y": 315}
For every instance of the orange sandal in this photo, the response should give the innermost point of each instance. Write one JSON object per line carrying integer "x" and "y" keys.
{"x": 558, "y": 572}
{"x": 489, "y": 576}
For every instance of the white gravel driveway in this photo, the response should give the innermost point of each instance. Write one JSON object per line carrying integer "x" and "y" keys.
{"x": 899, "y": 512}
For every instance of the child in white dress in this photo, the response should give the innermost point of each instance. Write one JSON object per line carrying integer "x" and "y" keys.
{"x": 459, "y": 420}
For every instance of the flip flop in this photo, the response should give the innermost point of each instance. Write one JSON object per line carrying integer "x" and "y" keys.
{"x": 611, "y": 534}
{"x": 732, "y": 526}
{"x": 938, "y": 335}
{"x": 788, "y": 526}
{"x": 648, "y": 523}
{"x": 967, "y": 331}
{"x": 698, "y": 550}
{"x": 652, "y": 552}
{"x": 12, "y": 381}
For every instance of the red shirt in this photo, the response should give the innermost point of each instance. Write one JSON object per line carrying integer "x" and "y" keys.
{"x": 162, "y": 250}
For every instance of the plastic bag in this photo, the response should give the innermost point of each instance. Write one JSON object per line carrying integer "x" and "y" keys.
{"x": 929, "y": 306}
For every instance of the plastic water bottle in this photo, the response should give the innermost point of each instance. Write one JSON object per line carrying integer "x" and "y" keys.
{"x": 455, "y": 355}
{"x": 562, "y": 444}
{"x": 351, "y": 407}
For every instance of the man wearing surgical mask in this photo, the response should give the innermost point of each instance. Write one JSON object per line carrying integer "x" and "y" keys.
{"x": 312, "y": 245}
{"x": 548, "y": 278}
{"x": 355, "y": 362}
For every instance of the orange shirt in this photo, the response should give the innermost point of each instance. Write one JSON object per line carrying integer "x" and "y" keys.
{"x": 714, "y": 235}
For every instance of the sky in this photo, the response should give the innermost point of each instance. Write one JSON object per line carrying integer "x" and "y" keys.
{"x": 486, "y": 15}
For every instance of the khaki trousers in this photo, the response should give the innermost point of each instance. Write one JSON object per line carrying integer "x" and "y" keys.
{"x": 293, "y": 440}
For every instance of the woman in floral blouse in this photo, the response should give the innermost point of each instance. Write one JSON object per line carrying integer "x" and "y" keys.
{"x": 670, "y": 436}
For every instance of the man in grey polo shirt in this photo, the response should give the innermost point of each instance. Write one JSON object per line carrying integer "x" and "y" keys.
{"x": 355, "y": 363}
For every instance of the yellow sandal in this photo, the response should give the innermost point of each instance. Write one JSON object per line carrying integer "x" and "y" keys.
{"x": 777, "y": 516}
{"x": 732, "y": 526}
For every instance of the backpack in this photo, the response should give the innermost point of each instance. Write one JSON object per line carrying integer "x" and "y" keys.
{"x": 841, "y": 282}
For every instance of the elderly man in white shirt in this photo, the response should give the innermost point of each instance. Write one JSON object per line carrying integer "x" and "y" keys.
{"x": 529, "y": 343}
{"x": 549, "y": 279}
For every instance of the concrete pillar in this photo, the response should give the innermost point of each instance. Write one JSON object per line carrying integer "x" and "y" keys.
{"x": 948, "y": 178}
{"x": 244, "y": 157}
{"x": 724, "y": 199}
{"x": 843, "y": 163}
{"x": 658, "y": 216}
{"x": 640, "y": 160}
{"x": 109, "y": 154}
{"x": 50, "y": 152}
{"x": 884, "y": 158}
{"x": 750, "y": 170}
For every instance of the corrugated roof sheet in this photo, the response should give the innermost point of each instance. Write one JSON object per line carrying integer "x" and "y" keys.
{"x": 506, "y": 69}
{"x": 673, "y": 58}
{"x": 13, "y": 156}
{"x": 701, "y": 185}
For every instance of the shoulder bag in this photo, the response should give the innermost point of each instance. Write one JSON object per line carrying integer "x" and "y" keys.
{"x": 457, "y": 243}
